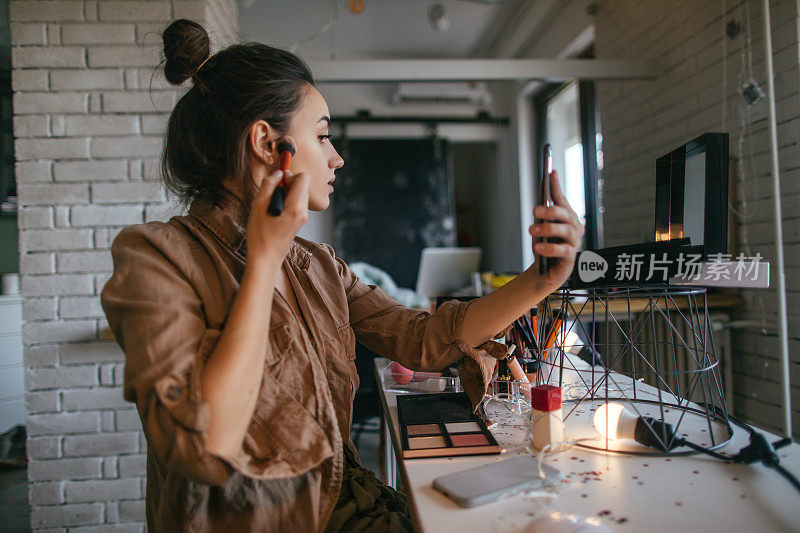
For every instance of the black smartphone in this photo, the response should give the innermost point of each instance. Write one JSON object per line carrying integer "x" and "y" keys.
{"x": 544, "y": 196}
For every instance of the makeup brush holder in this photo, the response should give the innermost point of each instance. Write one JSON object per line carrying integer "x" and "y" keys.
{"x": 649, "y": 348}
{"x": 511, "y": 394}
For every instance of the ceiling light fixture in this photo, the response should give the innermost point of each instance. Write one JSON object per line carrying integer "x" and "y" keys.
{"x": 355, "y": 6}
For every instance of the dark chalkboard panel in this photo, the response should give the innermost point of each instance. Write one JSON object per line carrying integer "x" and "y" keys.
{"x": 392, "y": 199}
{"x": 8, "y": 185}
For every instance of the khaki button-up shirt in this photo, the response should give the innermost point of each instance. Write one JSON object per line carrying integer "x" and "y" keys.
{"x": 166, "y": 303}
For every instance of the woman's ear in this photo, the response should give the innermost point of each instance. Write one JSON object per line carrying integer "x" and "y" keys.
{"x": 263, "y": 142}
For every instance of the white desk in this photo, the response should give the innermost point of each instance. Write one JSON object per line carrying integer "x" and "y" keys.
{"x": 652, "y": 494}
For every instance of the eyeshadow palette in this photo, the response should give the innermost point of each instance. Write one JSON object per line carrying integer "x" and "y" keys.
{"x": 442, "y": 425}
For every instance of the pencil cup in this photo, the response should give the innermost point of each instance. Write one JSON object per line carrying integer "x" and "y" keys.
{"x": 510, "y": 393}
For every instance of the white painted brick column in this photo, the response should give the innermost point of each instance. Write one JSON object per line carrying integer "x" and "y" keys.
{"x": 88, "y": 127}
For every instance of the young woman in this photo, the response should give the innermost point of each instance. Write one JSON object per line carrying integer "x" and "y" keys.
{"x": 240, "y": 337}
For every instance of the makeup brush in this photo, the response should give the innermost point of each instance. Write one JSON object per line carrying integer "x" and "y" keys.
{"x": 530, "y": 326}
{"x": 286, "y": 150}
{"x": 558, "y": 317}
{"x": 534, "y": 325}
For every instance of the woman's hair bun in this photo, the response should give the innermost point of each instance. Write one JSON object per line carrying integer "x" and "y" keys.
{"x": 186, "y": 46}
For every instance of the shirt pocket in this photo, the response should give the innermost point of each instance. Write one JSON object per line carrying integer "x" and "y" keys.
{"x": 343, "y": 363}
{"x": 283, "y": 360}
{"x": 284, "y": 437}
{"x": 347, "y": 338}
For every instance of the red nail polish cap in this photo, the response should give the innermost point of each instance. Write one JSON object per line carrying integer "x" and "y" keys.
{"x": 546, "y": 398}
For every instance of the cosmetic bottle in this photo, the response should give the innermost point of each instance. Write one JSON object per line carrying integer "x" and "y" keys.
{"x": 503, "y": 372}
{"x": 547, "y": 419}
{"x": 503, "y": 376}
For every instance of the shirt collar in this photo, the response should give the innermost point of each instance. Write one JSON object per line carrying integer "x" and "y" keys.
{"x": 226, "y": 224}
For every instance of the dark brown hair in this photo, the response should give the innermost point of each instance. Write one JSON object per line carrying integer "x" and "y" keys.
{"x": 206, "y": 138}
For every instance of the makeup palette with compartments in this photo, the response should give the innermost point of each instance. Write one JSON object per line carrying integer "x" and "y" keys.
{"x": 442, "y": 425}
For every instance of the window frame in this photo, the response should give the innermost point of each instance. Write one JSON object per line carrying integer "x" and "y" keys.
{"x": 593, "y": 237}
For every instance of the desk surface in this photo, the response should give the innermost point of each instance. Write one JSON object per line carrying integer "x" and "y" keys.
{"x": 627, "y": 493}
{"x": 619, "y": 305}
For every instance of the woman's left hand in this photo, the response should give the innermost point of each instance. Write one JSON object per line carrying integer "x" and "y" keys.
{"x": 493, "y": 312}
{"x": 559, "y": 223}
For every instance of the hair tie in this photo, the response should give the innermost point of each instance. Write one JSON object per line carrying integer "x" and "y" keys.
{"x": 201, "y": 66}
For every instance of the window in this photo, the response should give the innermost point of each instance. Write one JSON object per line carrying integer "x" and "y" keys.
{"x": 566, "y": 118}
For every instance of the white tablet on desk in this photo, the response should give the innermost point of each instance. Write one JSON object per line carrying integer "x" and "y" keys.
{"x": 444, "y": 270}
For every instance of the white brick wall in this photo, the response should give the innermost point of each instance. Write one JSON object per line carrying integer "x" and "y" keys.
{"x": 88, "y": 123}
{"x": 642, "y": 120}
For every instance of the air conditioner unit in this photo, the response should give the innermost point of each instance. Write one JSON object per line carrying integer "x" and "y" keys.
{"x": 464, "y": 93}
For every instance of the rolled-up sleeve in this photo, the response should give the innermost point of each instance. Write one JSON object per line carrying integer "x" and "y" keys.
{"x": 419, "y": 340}
{"x": 157, "y": 319}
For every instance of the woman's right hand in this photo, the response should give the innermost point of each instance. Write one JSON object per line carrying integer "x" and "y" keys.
{"x": 270, "y": 236}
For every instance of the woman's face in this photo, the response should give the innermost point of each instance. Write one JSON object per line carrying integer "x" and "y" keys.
{"x": 315, "y": 155}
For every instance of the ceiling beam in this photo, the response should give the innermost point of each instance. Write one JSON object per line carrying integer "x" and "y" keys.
{"x": 482, "y": 70}
{"x": 524, "y": 20}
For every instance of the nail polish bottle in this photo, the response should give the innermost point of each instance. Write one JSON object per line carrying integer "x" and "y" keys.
{"x": 547, "y": 418}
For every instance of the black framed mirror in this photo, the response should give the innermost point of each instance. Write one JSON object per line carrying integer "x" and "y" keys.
{"x": 692, "y": 194}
